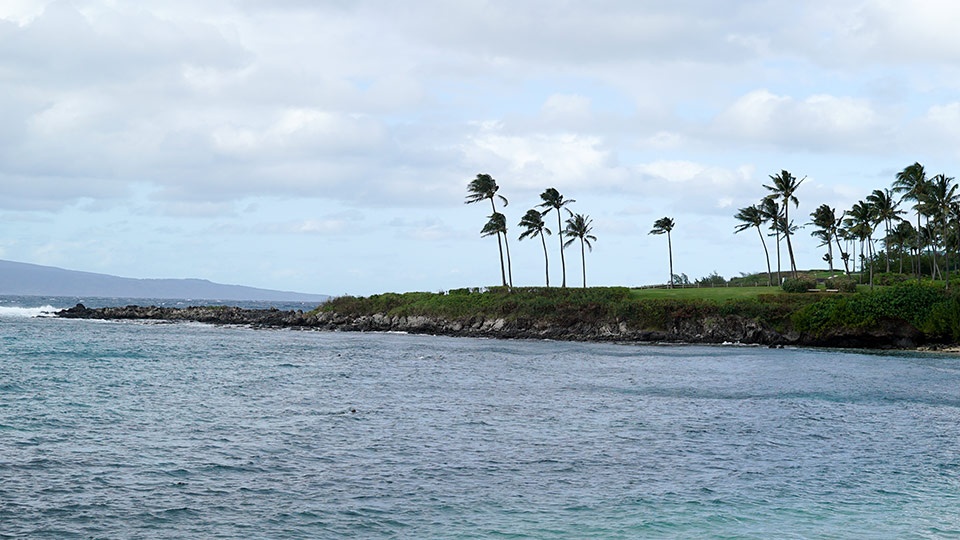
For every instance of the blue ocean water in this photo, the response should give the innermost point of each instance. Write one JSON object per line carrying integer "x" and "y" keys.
{"x": 155, "y": 430}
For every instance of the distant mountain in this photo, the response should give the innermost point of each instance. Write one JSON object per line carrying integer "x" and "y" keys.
{"x": 22, "y": 279}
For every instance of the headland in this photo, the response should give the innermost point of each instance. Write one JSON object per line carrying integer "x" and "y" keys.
{"x": 901, "y": 317}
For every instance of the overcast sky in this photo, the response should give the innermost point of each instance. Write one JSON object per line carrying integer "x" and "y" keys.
{"x": 326, "y": 146}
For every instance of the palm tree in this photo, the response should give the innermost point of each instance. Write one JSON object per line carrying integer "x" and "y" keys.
{"x": 485, "y": 187}
{"x": 940, "y": 199}
{"x": 532, "y": 221}
{"x": 825, "y": 219}
{"x": 903, "y": 234}
{"x": 912, "y": 182}
{"x": 663, "y": 226}
{"x": 497, "y": 224}
{"x": 752, "y": 216}
{"x": 885, "y": 210}
{"x": 784, "y": 186}
{"x": 860, "y": 224}
{"x": 553, "y": 200}
{"x": 580, "y": 226}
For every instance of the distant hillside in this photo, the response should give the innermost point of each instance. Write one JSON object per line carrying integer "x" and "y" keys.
{"x": 22, "y": 279}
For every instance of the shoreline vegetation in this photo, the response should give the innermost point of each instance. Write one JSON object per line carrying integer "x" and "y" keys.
{"x": 900, "y": 316}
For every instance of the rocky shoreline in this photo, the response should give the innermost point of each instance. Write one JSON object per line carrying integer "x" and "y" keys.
{"x": 709, "y": 330}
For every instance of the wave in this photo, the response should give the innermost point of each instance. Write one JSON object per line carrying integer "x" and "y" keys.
{"x": 27, "y": 312}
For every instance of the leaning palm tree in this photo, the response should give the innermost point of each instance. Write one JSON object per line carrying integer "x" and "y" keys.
{"x": 553, "y": 200}
{"x": 752, "y": 216}
{"x": 580, "y": 226}
{"x": 497, "y": 224}
{"x": 912, "y": 182}
{"x": 663, "y": 226}
{"x": 485, "y": 187}
{"x": 532, "y": 221}
{"x": 784, "y": 186}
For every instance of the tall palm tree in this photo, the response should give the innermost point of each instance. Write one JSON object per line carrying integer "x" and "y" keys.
{"x": 580, "y": 226}
{"x": 497, "y": 224}
{"x": 532, "y": 221}
{"x": 912, "y": 182}
{"x": 784, "y": 186}
{"x": 664, "y": 225}
{"x": 485, "y": 187}
{"x": 553, "y": 200}
{"x": 752, "y": 216}
{"x": 886, "y": 210}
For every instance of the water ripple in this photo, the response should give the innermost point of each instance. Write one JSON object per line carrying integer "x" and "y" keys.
{"x": 170, "y": 431}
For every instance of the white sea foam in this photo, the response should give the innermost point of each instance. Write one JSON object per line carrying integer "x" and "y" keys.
{"x": 27, "y": 312}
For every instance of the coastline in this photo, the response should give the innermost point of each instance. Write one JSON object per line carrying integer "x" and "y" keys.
{"x": 713, "y": 329}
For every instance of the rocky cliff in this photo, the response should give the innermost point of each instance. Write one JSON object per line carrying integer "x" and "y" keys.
{"x": 713, "y": 329}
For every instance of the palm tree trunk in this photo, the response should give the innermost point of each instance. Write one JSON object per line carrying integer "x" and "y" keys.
{"x": 766, "y": 252}
{"x": 886, "y": 241}
{"x": 901, "y": 258}
{"x": 900, "y": 246}
{"x": 919, "y": 243}
{"x": 793, "y": 262}
{"x": 503, "y": 273}
{"x": 946, "y": 254}
{"x": 846, "y": 267}
{"x": 779, "y": 277}
{"x": 670, "y": 253}
{"x": 563, "y": 263}
{"x": 503, "y": 269}
{"x": 786, "y": 217}
{"x": 830, "y": 254}
{"x": 509, "y": 266}
{"x": 583, "y": 261}
{"x": 546, "y": 260}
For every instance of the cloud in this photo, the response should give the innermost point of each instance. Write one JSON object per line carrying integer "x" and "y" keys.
{"x": 536, "y": 160}
{"x": 818, "y": 122}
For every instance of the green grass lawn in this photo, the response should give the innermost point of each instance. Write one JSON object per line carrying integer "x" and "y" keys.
{"x": 718, "y": 294}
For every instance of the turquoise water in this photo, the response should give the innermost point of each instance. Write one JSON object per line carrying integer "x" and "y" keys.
{"x": 132, "y": 430}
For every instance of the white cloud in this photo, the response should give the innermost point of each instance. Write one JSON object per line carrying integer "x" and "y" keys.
{"x": 533, "y": 161}
{"x": 820, "y": 121}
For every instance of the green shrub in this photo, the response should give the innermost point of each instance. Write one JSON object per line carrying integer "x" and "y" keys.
{"x": 943, "y": 321}
{"x": 909, "y": 302}
{"x": 799, "y": 285}
{"x": 842, "y": 284}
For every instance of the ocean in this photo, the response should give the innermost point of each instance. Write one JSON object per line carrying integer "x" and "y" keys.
{"x": 159, "y": 430}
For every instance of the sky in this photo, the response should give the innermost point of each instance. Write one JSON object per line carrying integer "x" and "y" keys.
{"x": 325, "y": 146}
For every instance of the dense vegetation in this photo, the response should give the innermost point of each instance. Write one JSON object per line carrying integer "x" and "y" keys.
{"x": 927, "y": 307}
{"x": 570, "y": 306}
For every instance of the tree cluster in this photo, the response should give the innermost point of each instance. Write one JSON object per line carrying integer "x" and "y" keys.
{"x": 577, "y": 226}
{"x": 927, "y": 246}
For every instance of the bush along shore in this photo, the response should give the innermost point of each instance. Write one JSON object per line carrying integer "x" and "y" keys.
{"x": 905, "y": 316}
